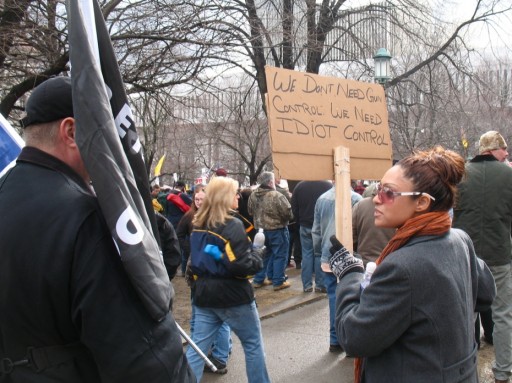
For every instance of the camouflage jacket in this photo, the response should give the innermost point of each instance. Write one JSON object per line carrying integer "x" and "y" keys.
{"x": 269, "y": 208}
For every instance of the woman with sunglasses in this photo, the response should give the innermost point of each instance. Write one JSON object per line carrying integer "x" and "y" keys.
{"x": 414, "y": 322}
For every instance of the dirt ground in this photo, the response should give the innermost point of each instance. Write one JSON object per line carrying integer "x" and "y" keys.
{"x": 485, "y": 358}
{"x": 264, "y": 297}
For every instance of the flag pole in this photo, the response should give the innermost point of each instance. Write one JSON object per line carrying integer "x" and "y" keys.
{"x": 196, "y": 348}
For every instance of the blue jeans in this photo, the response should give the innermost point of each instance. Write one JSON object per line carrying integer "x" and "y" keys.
{"x": 274, "y": 264}
{"x": 310, "y": 263}
{"x": 222, "y": 345}
{"x": 330, "y": 283}
{"x": 244, "y": 321}
{"x": 502, "y": 317}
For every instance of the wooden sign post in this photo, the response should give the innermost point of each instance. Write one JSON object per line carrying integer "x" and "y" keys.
{"x": 343, "y": 213}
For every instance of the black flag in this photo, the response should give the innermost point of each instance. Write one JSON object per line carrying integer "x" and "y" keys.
{"x": 111, "y": 151}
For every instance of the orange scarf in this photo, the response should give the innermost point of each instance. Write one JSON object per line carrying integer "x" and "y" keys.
{"x": 434, "y": 223}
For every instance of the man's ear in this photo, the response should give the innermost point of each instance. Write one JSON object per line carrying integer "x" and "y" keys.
{"x": 67, "y": 131}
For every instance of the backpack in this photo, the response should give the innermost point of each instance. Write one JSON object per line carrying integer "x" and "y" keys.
{"x": 177, "y": 200}
{"x": 162, "y": 199}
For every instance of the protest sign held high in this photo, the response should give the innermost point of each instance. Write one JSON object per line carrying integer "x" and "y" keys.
{"x": 105, "y": 127}
{"x": 328, "y": 128}
{"x": 310, "y": 115}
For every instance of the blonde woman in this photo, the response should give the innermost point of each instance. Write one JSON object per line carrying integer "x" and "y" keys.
{"x": 222, "y": 261}
{"x": 221, "y": 347}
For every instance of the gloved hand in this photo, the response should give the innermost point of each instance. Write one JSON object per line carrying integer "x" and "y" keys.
{"x": 189, "y": 275}
{"x": 341, "y": 261}
{"x": 260, "y": 251}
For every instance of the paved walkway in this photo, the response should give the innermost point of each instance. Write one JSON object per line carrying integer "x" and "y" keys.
{"x": 271, "y": 303}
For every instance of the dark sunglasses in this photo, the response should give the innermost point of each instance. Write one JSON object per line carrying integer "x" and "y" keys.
{"x": 386, "y": 195}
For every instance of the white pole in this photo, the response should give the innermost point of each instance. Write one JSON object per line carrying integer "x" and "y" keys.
{"x": 197, "y": 349}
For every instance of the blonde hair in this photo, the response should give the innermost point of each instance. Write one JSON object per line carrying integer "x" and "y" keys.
{"x": 215, "y": 210}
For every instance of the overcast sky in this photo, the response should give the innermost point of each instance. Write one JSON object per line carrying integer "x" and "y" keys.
{"x": 495, "y": 38}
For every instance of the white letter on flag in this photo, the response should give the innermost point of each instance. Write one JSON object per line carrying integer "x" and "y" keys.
{"x": 122, "y": 227}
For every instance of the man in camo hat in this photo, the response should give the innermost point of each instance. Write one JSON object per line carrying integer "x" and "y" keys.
{"x": 493, "y": 143}
{"x": 484, "y": 211}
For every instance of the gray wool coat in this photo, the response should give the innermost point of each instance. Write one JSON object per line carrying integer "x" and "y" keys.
{"x": 415, "y": 321}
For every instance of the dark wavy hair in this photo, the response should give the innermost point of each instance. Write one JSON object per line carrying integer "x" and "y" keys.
{"x": 437, "y": 172}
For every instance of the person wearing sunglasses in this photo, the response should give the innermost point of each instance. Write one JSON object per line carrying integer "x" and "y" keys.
{"x": 414, "y": 322}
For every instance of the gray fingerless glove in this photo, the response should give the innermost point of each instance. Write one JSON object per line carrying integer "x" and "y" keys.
{"x": 260, "y": 251}
{"x": 342, "y": 262}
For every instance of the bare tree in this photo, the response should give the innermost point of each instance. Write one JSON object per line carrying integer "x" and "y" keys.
{"x": 166, "y": 129}
{"x": 245, "y": 140}
{"x": 306, "y": 35}
{"x": 440, "y": 105}
{"x": 154, "y": 50}
{"x": 235, "y": 133}
{"x": 164, "y": 43}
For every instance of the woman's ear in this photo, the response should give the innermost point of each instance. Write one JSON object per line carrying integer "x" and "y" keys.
{"x": 423, "y": 204}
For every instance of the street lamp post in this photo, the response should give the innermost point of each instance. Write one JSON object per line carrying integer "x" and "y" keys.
{"x": 382, "y": 61}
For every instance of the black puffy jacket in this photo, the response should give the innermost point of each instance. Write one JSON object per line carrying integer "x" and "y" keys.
{"x": 224, "y": 282}
{"x": 62, "y": 283}
{"x": 169, "y": 245}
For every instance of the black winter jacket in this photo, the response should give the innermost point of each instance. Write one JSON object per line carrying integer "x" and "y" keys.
{"x": 169, "y": 245}
{"x": 62, "y": 283}
{"x": 225, "y": 282}
{"x": 184, "y": 230}
{"x": 484, "y": 209}
{"x": 304, "y": 197}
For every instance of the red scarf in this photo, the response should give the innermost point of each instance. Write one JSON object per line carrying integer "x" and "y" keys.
{"x": 434, "y": 223}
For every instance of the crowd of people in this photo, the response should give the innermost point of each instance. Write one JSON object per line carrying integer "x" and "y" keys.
{"x": 438, "y": 229}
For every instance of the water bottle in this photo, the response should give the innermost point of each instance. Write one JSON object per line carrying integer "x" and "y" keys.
{"x": 259, "y": 240}
{"x": 214, "y": 251}
{"x": 370, "y": 268}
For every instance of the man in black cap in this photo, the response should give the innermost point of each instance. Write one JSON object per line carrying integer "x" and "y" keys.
{"x": 68, "y": 312}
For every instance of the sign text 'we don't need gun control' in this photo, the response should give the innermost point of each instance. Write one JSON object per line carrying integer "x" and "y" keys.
{"x": 310, "y": 115}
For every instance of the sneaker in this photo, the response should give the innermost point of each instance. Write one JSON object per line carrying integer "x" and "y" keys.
{"x": 282, "y": 286}
{"x": 335, "y": 348}
{"x": 265, "y": 282}
{"x": 221, "y": 367}
{"x": 308, "y": 289}
{"x": 320, "y": 290}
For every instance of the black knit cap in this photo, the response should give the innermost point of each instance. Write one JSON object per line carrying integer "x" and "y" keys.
{"x": 49, "y": 101}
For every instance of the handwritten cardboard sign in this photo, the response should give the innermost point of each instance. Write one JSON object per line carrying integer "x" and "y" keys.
{"x": 309, "y": 115}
